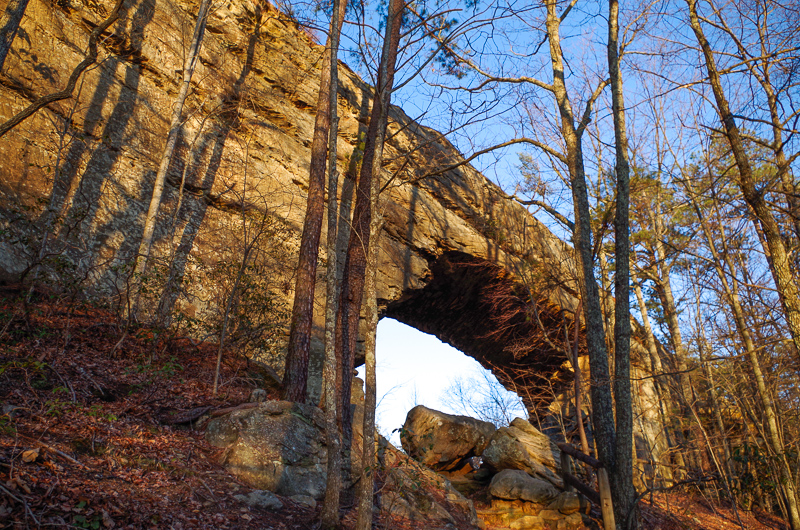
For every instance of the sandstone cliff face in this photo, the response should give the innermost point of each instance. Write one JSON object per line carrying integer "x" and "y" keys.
{"x": 248, "y": 133}
{"x": 457, "y": 258}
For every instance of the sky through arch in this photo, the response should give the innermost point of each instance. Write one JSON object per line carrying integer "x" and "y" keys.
{"x": 415, "y": 368}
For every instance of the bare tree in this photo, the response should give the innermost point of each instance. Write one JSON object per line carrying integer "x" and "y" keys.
{"x": 176, "y": 124}
{"x": 483, "y": 397}
{"x": 361, "y": 265}
{"x": 329, "y": 516}
{"x": 726, "y": 274}
{"x": 623, "y": 490}
{"x": 295, "y": 377}
{"x": 355, "y": 263}
{"x": 751, "y": 191}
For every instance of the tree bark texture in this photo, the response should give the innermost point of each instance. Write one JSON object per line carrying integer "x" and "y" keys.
{"x": 602, "y": 405}
{"x": 295, "y": 377}
{"x": 366, "y": 485}
{"x": 356, "y": 261}
{"x": 329, "y": 516}
{"x": 657, "y": 370}
{"x": 622, "y": 475}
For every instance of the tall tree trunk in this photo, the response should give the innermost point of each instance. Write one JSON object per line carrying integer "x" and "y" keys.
{"x": 356, "y": 261}
{"x": 658, "y": 370}
{"x": 577, "y": 384}
{"x": 664, "y": 291}
{"x": 602, "y": 405}
{"x": 9, "y": 24}
{"x": 606, "y": 300}
{"x": 176, "y": 124}
{"x": 329, "y": 516}
{"x": 367, "y": 482}
{"x": 714, "y": 398}
{"x": 753, "y": 194}
{"x": 773, "y": 435}
{"x": 627, "y": 516}
{"x": 295, "y": 378}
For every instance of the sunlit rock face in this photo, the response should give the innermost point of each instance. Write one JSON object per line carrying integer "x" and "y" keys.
{"x": 457, "y": 258}
{"x": 251, "y": 116}
{"x": 442, "y": 441}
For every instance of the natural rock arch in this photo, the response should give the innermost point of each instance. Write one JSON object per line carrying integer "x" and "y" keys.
{"x": 458, "y": 258}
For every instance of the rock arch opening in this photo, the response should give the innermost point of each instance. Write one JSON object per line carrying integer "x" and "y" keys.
{"x": 415, "y": 368}
{"x": 487, "y": 313}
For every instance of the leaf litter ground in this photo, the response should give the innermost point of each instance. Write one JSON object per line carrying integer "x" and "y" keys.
{"x": 90, "y": 440}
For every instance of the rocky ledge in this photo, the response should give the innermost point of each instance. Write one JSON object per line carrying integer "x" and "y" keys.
{"x": 456, "y": 472}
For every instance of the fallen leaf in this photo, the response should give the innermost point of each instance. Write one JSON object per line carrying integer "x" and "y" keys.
{"x": 30, "y": 455}
{"x": 108, "y": 522}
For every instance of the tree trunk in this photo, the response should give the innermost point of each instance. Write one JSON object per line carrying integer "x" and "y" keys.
{"x": 175, "y": 127}
{"x": 751, "y": 191}
{"x": 657, "y": 371}
{"x": 9, "y": 24}
{"x": 714, "y": 398}
{"x": 366, "y": 484}
{"x": 773, "y": 434}
{"x": 356, "y": 261}
{"x": 329, "y": 516}
{"x": 577, "y": 385}
{"x": 626, "y": 513}
{"x": 602, "y": 406}
{"x": 295, "y": 376}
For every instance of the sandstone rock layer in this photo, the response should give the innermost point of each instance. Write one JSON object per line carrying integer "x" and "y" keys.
{"x": 457, "y": 259}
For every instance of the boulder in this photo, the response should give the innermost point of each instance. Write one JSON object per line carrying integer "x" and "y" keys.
{"x": 521, "y": 446}
{"x": 276, "y": 446}
{"x": 261, "y": 499}
{"x": 413, "y": 492}
{"x": 569, "y": 502}
{"x": 279, "y": 446}
{"x": 513, "y": 484}
{"x": 442, "y": 441}
{"x": 304, "y": 500}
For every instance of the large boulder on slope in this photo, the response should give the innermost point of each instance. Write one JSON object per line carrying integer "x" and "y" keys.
{"x": 422, "y": 497}
{"x": 442, "y": 441}
{"x": 521, "y": 446}
{"x": 276, "y": 446}
{"x": 513, "y": 484}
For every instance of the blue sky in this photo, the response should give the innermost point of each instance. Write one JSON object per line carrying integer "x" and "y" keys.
{"x": 414, "y": 368}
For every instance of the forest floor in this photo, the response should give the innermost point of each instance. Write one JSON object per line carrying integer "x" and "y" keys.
{"x": 91, "y": 440}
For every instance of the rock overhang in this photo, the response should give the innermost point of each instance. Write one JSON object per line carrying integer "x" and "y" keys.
{"x": 455, "y": 234}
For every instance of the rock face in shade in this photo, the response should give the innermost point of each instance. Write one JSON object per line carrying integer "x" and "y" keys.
{"x": 442, "y": 441}
{"x": 512, "y": 484}
{"x": 276, "y": 446}
{"x": 521, "y": 446}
